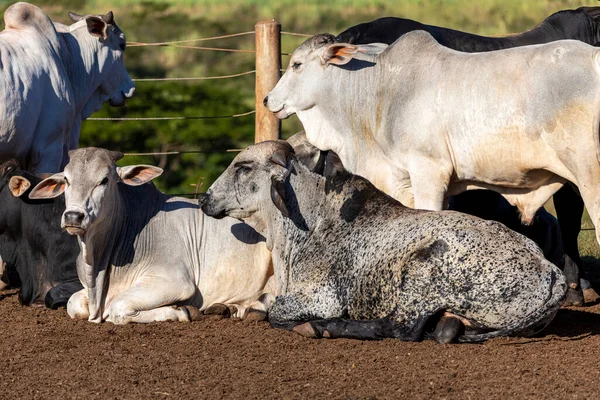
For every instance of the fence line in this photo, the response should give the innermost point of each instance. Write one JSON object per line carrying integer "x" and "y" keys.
{"x": 140, "y": 44}
{"x": 170, "y": 153}
{"x": 295, "y": 34}
{"x": 170, "y": 118}
{"x": 193, "y": 78}
{"x": 208, "y": 48}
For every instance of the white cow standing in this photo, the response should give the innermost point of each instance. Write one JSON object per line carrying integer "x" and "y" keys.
{"x": 422, "y": 121}
{"x": 146, "y": 256}
{"x": 52, "y": 77}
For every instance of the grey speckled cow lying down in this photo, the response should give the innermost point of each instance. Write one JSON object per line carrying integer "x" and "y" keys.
{"x": 352, "y": 262}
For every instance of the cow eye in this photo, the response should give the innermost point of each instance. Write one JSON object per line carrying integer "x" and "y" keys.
{"x": 296, "y": 65}
{"x": 243, "y": 169}
{"x": 104, "y": 181}
{"x": 122, "y": 46}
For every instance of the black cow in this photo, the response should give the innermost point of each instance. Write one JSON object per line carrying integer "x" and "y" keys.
{"x": 40, "y": 257}
{"x": 581, "y": 24}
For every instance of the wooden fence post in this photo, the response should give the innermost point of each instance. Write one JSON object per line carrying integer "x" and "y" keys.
{"x": 268, "y": 72}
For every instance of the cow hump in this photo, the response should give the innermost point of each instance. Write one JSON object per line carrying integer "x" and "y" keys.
{"x": 25, "y": 15}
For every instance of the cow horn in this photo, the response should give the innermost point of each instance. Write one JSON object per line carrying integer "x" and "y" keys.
{"x": 75, "y": 17}
{"x": 115, "y": 155}
{"x": 108, "y": 18}
{"x": 8, "y": 166}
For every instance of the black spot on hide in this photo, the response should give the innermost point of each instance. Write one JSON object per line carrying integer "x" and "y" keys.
{"x": 435, "y": 249}
{"x": 353, "y": 206}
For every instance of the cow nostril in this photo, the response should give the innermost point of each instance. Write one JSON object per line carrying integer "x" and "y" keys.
{"x": 202, "y": 199}
{"x": 73, "y": 217}
{"x": 265, "y": 100}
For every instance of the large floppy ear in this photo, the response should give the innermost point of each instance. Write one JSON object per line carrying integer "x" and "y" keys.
{"x": 49, "y": 188}
{"x": 278, "y": 194}
{"x": 136, "y": 175}
{"x": 18, "y": 185}
{"x": 96, "y": 26}
{"x": 338, "y": 53}
{"x": 280, "y": 158}
{"x": 333, "y": 165}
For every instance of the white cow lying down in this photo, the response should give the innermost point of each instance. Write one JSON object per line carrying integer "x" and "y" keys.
{"x": 51, "y": 81}
{"x": 146, "y": 256}
{"x": 422, "y": 121}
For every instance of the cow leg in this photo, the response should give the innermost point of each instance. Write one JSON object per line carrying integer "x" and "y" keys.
{"x": 448, "y": 329}
{"x": 430, "y": 183}
{"x": 59, "y": 295}
{"x": 376, "y": 329}
{"x": 3, "y": 275}
{"x": 590, "y": 192}
{"x": 569, "y": 211}
{"x": 574, "y": 295}
{"x": 151, "y": 301}
{"x": 77, "y": 306}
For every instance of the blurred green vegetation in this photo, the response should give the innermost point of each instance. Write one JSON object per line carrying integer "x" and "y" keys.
{"x": 170, "y": 20}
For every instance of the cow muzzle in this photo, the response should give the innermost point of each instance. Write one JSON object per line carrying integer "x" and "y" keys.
{"x": 72, "y": 222}
{"x": 280, "y": 112}
{"x": 120, "y": 100}
{"x": 208, "y": 206}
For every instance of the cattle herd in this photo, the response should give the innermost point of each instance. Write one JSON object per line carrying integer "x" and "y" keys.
{"x": 338, "y": 231}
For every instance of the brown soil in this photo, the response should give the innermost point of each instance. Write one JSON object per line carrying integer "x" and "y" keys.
{"x": 45, "y": 354}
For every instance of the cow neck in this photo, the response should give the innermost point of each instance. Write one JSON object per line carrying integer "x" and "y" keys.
{"x": 347, "y": 124}
{"x": 97, "y": 246}
{"x": 83, "y": 67}
{"x": 286, "y": 237}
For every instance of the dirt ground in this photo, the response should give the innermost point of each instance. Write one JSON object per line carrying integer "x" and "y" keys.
{"x": 45, "y": 354}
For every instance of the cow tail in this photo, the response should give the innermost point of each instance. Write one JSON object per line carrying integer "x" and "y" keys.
{"x": 535, "y": 322}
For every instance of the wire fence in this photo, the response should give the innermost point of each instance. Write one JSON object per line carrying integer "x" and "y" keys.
{"x": 192, "y": 44}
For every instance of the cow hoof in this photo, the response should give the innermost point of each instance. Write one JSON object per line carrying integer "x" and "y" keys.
{"x": 305, "y": 330}
{"x": 254, "y": 315}
{"x": 218, "y": 309}
{"x": 448, "y": 330}
{"x": 193, "y": 313}
{"x": 574, "y": 298}
{"x": 590, "y": 296}
{"x": 232, "y": 310}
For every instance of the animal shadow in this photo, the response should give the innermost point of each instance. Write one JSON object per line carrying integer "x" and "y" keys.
{"x": 573, "y": 322}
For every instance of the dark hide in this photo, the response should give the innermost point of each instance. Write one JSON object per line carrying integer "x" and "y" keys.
{"x": 37, "y": 252}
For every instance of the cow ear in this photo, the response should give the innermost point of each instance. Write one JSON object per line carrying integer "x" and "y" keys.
{"x": 75, "y": 17}
{"x": 372, "y": 49}
{"x": 279, "y": 157}
{"x": 135, "y": 175}
{"x": 18, "y": 185}
{"x": 49, "y": 188}
{"x": 333, "y": 165}
{"x": 96, "y": 27}
{"x": 278, "y": 194}
{"x": 338, "y": 53}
